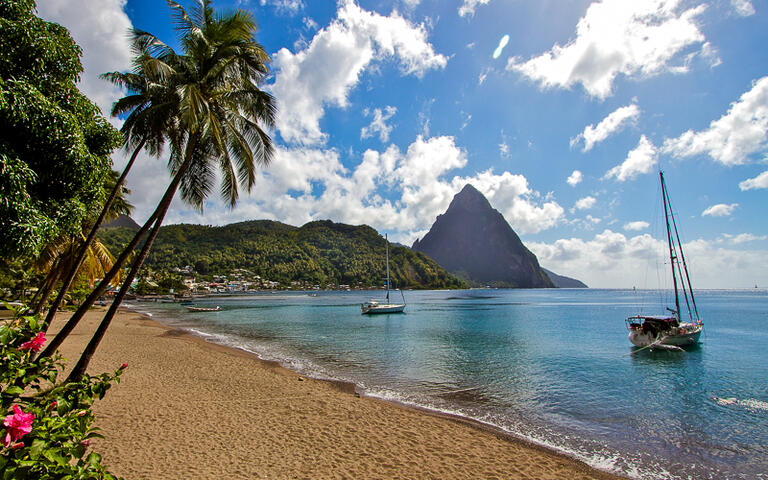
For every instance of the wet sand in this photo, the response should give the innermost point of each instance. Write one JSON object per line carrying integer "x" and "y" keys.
{"x": 186, "y": 408}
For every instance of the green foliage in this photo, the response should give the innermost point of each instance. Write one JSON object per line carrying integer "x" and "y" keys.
{"x": 319, "y": 253}
{"x": 54, "y": 144}
{"x": 57, "y": 444}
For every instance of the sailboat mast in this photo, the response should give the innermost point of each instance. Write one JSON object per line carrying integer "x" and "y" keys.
{"x": 672, "y": 256}
{"x": 386, "y": 240}
{"x": 687, "y": 275}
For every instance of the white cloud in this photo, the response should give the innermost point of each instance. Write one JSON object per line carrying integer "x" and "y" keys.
{"x": 309, "y": 23}
{"x": 611, "y": 124}
{"x": 504, "y": 146}
{"x": 720, "y": 210}
{"x": 640, "y": 160}
{"x": 325, "y": 72}
{"x": 468, "y": 7}
{"x": 743, "y": 7}
{"x": 504, "y": 149}
{"x": 585, "y": 203}
{"x": 612, "y": 260}
{"x": 744, "y": 238}
{"x": 101, "y": 28}
{"x": 760, "y": 181}
{"x": 575, "y": 178}
{"x": 379, "y": 123}
{"x": 635, "y": 226}
{"x": 735, "y": 136}
{"x": 635, "y": 39}
{"x": 288, "y": 6}
{"x": 483, "y": 75}
{"x": 467, "y": 117}
{"x": 305, "y": 184}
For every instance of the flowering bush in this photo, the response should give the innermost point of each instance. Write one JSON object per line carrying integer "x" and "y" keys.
{"x": 47, "y": 428}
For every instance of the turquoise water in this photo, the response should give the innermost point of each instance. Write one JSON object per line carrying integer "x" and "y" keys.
{"x": 552, "y": 366}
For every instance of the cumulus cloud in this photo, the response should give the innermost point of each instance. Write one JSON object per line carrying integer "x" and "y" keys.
{"x": 611, "y": 260}
{"x": 575, "y": 178}
{"x": 639, "y": 161}
{"x": 743, "y": 238}
{"x": 617, "y": 37}
{"x": 760, "y": 181}
{"x": 732, "y": 138}
{"x": 635, "y": 226}
{"x": 379, "y": 123}
{"x": 743, "y": 7}
{"x": 467, "y": 8}
{"x": 585, "y": 203}
{"x": 400, "y": 191}
{"x": 720, "y": 210}
{"x": 325, "y": 72}
{"x": 611, "y": 124}
{"x": 101, "y": 28}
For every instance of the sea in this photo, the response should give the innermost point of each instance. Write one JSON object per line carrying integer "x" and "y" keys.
{"x": 550, "y": 366}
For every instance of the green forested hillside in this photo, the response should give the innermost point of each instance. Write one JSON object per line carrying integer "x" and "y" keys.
{"x": 319, "y": 252}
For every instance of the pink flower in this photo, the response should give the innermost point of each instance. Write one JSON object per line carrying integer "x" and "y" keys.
{"x": 125, "y": 365}
{"x": 85, "y": 442}
{"x": 35, "y": 344}
{"x": 18, "y": 425}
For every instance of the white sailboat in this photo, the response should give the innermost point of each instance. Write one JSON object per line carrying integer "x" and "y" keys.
{"x": 373, "y": 306}
{"x": 670, "y": 331}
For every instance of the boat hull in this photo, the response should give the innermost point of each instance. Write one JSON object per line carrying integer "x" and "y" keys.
{"x": 374, "y": 309}
{"x": 203, "y": 309}
{"x": 640, "y": 339}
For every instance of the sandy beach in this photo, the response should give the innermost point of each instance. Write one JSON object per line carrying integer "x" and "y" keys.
{"x": 186, "y": 408}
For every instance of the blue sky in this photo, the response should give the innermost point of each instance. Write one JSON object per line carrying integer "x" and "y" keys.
{"x": 560, "y": 111}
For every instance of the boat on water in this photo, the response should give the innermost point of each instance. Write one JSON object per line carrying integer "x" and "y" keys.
{"x": 374, "y": 306}
{"x": 204, "y": 309}
{"x": 670, "y": 331}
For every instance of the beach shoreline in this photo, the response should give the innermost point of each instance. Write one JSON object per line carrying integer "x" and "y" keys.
{"x": 213, "y": 410}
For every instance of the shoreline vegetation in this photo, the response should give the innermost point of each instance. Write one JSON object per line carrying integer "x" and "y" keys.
{"x": 268, "y": 254}
{"x": 187, "y": 408}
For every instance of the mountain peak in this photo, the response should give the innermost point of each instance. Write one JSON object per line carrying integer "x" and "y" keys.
{"x": 473, "y": 240}
{"x": 470, "y": 199}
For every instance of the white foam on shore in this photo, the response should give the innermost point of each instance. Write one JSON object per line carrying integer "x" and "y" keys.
{"x": 600, "y": 458}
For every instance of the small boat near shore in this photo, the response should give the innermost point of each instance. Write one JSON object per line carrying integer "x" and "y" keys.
{"x": 373, "y": 306}
{"x": 204, "y": 309}
{"x": 670, "y": 332}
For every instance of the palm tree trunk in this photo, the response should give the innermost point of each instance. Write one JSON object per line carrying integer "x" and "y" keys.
{"x": 45, "y": 289}
{"x": 98, "y": 291}
{"x": 44, "y": 294}
{"x": 84, "y": 249}
{"x": 82, "y": 364}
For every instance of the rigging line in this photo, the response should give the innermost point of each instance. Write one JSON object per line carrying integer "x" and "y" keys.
{"x": 687, "y": 276}
{"x": 678, "y": 248}
{"x": 669, "y": 240}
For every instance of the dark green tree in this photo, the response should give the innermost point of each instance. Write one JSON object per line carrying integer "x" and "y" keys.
{"x": 54, "y": 143}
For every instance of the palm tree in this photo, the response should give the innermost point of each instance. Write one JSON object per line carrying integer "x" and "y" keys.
{"x": 151, "y": 120}
{"x": 78, "y": 254}
{"x": 221, "y": 114}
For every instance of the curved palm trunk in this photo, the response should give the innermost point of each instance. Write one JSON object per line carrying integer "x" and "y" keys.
{"x": 98, "y": 291}
{"x": 44, "y": 292}
{"x": 84, "y": 248}
{"x": 82, "y": 364}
